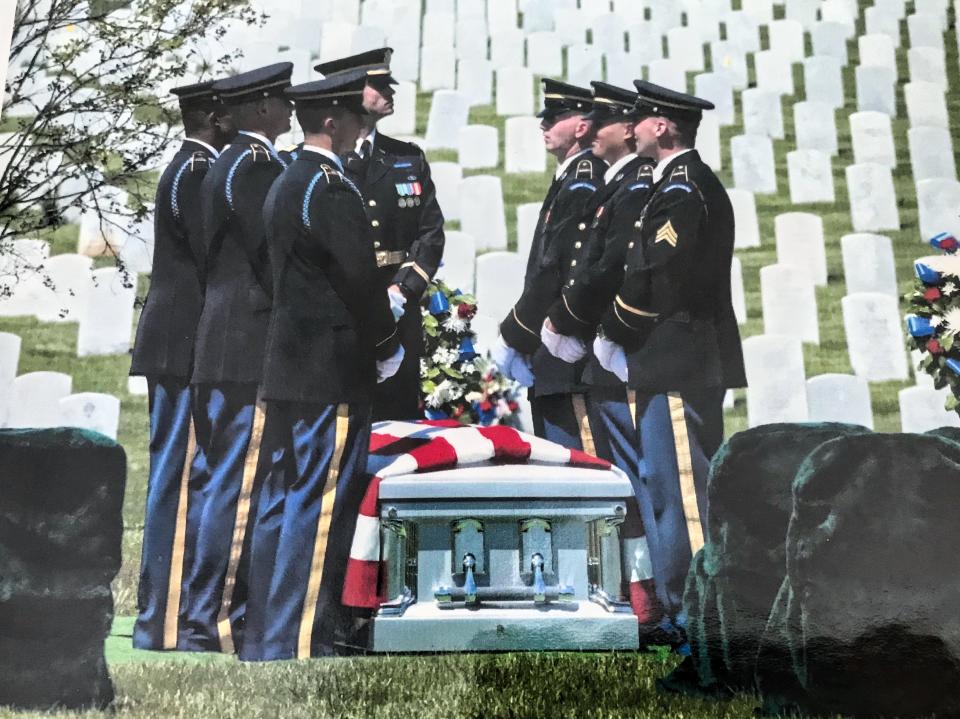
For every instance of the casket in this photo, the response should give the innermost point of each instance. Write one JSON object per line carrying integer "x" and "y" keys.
{"x": 493, "y": 557}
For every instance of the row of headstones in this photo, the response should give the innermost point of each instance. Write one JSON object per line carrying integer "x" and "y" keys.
{"x": 778, "y": 390}
{"x": 45, "y": 399}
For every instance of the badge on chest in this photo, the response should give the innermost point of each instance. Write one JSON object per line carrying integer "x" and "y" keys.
{"x": 408, "y": 194}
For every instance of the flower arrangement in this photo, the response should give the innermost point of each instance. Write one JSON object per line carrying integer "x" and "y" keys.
{"x": 456, "y": 382}
{"x": 934, "y": 325}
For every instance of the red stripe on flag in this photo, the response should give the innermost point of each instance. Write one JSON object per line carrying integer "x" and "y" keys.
{"x": 360, "y": 584}
{"x": 379, "y": 441}
{"x": 371, "y": 498}
{"x": 436, "y": 455}
{"x": 582, "y": 459}
{"x": 441, "y": 423}
{"x": 508, "y": 445}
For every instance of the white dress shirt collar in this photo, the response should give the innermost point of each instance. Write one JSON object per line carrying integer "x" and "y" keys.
{"x": 372, "y": 137}
{"x": 566, "y": 163}
{"x": 662, "y": 165}
{"x": 210, "y": 148}
{"x": 326, "y": 153}
{"x": 617, "y": 166}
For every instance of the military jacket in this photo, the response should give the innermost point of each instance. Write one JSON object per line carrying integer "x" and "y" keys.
{"x": 330, "y": 319}
{"x": 561, "y": 227}
{"x": 168, "y": 323}
{"x": 673, "y": 313}
{"x": 232, "y": 333}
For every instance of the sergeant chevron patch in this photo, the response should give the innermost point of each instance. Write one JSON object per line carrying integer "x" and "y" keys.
{"x": 667, "y": 234}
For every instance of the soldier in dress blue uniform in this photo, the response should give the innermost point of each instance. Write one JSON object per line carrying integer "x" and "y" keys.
{"x": 231, "y": 339}
{"x": 332, "y": 337}
{"x": 163, "y": 352}
{"x": 406, "y": 225}
{"x": 556, "y": 394}
{"x": 670, "y": 331}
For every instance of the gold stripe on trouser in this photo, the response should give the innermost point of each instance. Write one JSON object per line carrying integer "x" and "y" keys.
{"x": 632, "y": 405}
{"x": 175, "y": 582}
{"x": 688, "y": 489}
{"x": 583, "y": 422}
{"x": 240, "y": 527}
{"x": 329, "y": 496}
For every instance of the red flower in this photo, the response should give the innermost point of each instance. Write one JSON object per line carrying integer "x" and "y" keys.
{"x": 512, "y": 405}
{"x": 457, "y": 411}
{"x": 934, "y": 348}
{"x": 932, "y": 294}
{"x": 949, "y": 244}
{"x": 486, "y": 406}
{"x": 466, "y": 311}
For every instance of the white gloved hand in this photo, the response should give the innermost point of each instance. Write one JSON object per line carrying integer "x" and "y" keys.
{"x": 611, "y": 357}
{"x": 520, "y": 371}
{"x": 503, "y": 355}
{"x": 388, "y": 368}
{"x": 569, "y": 349}
{"x": 397, "y": 301}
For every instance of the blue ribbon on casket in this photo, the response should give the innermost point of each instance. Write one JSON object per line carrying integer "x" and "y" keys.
{"x": 919, "y": 326}
{"x": 926, "y": 274}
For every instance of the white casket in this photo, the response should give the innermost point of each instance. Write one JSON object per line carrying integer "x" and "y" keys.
{"x": 494, "y": 557}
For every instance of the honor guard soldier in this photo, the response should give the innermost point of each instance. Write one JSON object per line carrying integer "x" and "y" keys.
{"x": 672, "y": 321}
{"x": 231, "y": 339}
{"x": 556, "y": 395}
{"x": 163, "y": 352}
{"x": 406, "y": 225}
{"x": 332, "y": 337}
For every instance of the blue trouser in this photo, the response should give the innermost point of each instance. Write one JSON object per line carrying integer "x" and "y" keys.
{"x": 305, "y": 524}
{"x": 218, "y": 577}
{"x": 566, "y": 419}
{"x": 677, "y": 435}
{"x": 175, "y": 492}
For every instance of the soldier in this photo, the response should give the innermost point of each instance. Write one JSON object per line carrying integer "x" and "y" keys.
{"x": 332, "y": 337}
{"x": 163, "y": 352}
{"x": 671, "y": 333}
{"x": 231, "y": 339}
{"x": 556, "y": 396}
{"x": 405, "y": 222}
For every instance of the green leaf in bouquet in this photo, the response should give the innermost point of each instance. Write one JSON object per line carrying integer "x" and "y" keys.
{"x": 952, "y": 402}
{"x": 451, "y": 372}
{"x": 433, "y": 372}
{"x": 428, "y": 387}
{"x": 947, "y": 342}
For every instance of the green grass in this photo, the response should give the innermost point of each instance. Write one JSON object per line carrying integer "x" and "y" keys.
{"x": 455, "y": 686}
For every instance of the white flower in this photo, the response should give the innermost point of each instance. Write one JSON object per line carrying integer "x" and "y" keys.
{"x": 474, "y": 396}
{"x": 454, "y": 324}
{"x": 951, "y": 319}
{"x": 936, "y": 321}
{"x": 949, "y": 288}
{"x": 441, "y": 394}
{"x": 445, "y": 356}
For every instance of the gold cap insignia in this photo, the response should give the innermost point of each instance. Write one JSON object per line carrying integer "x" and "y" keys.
{"x": 667, "y": 234}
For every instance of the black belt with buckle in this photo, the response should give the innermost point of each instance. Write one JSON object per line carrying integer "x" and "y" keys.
{"x": 386, "y": 258}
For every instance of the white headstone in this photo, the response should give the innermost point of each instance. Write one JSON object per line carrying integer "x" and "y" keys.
{"x": 447, "y": 177}
{"x": 746, "y": 225}
{"x": 878, "y": 50}
{"x": 927, "y": 64}
{"x": 685, "y": 49}
{"x": 91, "y": 410}
{"x": 449, "y": 111}
{"x": 106, "y": 321}
{"x": 789, "y": 302}
{"x": 926, "y": 104}
{"x": 932, "y": 7}
{"x": 514, "y": 91}
{"x": 528, "y": 215}
{"x": 439, "y": 29}
{"x": 569, "y": 25}
{"x": 938, "y": 202}
{"x": 759, "y": 10}
{"x": 646, "y": 42}
{"x": 815, "y": 126}
{"x": 729, "y": 59}
{"x": 475, "y": 80}
{"x": 137, "y": 386}
{"x": 538, "y": 15}
{"x": 922, "y": 409}
{"x": 622, "y": 68}
{"x": 839, "y": 398}
{"x": 481, "y": 211}
{"x": 868, "y": 264}
{"x": 98, "y": 236}
{"x": 736, "y": 291}
{"x": 506, "y": 48}
{"x": 437, "y": 68}
{"x": 743, "y": 31}
{"x": 9, "y": 362}
{"x": 920, "y": 376}
{"x": 871, "y": 134}
{"x": 774, "y": 71}
{"x": 501, "y": 15}
{"x": 753, "y": 164}
{"x": 544, "y": 54}
{"x": 830, "y": 38}
{"x": 823, "y": 80}
{"x": 931, "y": 153}
{"x": 875, "y": 334}
{"x": 71, "y": 277}
{"x": 873, "y": 201}
{"x": 486, "y": 329}
{"x": 35, "y": 399}
{"x": 608, "y": 31}
{"x": 669, "y": 74}
{"x": 894, "y": 8}
{"x": 499, "y": 282}
{"x": 584, "y": 63}
{"x": 800, "y": 242}
{"x": 718, "y": 89}
{"x": 708, "y": 140}
{"x": 876, "y": 89}
{"x": 878, "y": 22}
{"x": 803, "y": 11}
{"x": 925, "y": 31}
{"x": 762, "y": 113}
{"x": 776, "y": 382}
{"x": 459, "y": 261}
{"x": 403, "y": 121}
{"x": 811, "y": 176}
{"x": 786, "y": 36}
{"x": 524, "y": 150}
{"x": 479, "y": 147}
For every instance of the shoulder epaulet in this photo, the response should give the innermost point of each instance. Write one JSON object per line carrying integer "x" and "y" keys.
{"x": 199, "y": 161}
{"x": 645, "y": 172}
{"x": 584, "y": 170}
{"x": 260, "y": 153}
{"x": 332, "y": 175}
{"x": 680, "y": 171}
{"x": 644, "y": 179}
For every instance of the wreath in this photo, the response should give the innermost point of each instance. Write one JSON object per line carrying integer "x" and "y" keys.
{"x": 934, "y": 322}
{"x": 456, "y": 382}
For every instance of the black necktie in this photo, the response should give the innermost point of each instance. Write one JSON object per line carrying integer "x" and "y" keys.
{"x": 357, "y": 161}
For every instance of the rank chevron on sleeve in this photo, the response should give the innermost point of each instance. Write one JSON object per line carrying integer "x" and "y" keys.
{"x": 667, "y": 234}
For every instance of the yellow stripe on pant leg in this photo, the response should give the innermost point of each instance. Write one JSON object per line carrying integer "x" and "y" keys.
{"x": 583, "y": 422}
{"x": 688, "y": 488}
{"x": 329, "y": 495}
{"x": 632, "y": 404}
{"x": 175, "y": 582}
{"x": 240, "y": 527}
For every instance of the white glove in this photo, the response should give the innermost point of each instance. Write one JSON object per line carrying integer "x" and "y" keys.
{"x": 611, "y": 357}
{"x": 397, "y": 301}
{"x": 520, "y": 371}
{"x": 388, "y": 368}
{"x": 569, "y": 349}
{"x": 503, "y": 355}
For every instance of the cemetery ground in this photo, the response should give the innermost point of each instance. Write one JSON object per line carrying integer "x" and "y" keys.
{"x": 474, "y": 685}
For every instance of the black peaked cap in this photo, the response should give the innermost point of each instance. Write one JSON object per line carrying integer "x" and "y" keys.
{"x": 341, "y": 90}
{"x": 657, "y": 100}
{"x": 374, "y": 63}
{"x": 612, "y": 103}
{"x": 269, "y": 81}
{"x": 559, "y": 97}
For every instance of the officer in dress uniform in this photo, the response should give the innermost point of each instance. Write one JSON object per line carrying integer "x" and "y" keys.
{"x": 231, "y": 339}
{"x": 332, "y": 337}
{"x": 405, "y": 222}
{"x": 163, "y": 352}
{"x": 556, "y": 395}
{"x": 671, "y": 326}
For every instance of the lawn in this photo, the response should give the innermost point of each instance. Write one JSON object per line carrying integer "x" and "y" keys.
{"x": 502, "y": 685}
